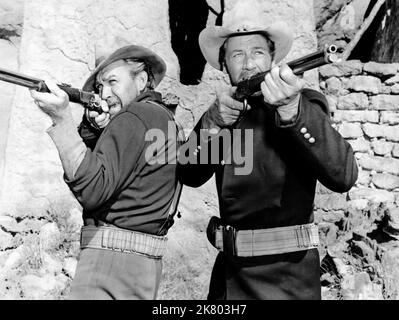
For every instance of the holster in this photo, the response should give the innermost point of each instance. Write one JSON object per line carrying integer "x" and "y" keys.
{"x": 227, "y": 245}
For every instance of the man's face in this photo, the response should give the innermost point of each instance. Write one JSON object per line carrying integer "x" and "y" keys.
{"x": 116, "y": 85}
{"x": 246, "y": 56}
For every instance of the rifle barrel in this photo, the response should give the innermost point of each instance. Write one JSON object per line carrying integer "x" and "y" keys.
{"x": 74, "y": 94}
{"x": 319, "y": 58}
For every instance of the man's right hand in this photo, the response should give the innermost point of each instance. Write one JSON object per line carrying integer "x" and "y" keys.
{"x": 225, "y": 111}
{"x": 99, "y": 120}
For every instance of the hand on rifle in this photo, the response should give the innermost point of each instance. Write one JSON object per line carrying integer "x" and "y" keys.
{"x": 54, "y": 104}
{"x": 99, "y": 120}
{"x": 281, "y": 89}
{"x": 225, "y": 111}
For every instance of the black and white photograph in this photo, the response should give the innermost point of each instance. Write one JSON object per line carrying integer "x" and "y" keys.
{"x": 208, "y": 151}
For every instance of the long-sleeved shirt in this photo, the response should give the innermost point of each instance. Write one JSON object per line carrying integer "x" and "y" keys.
{"x": 118, "y": 181}
{"x": 279, "y": 191}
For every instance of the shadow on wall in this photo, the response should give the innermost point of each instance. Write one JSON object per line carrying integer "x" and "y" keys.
{"x": 187, "y": 19}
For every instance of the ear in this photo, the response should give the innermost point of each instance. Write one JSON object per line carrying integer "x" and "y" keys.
{"x": 141, "y": 80}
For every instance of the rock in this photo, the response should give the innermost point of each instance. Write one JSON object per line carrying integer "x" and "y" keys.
{"x": 75, "y": 221}
{"x": 374, "y": 196}
{"x": 333, "y": 86}
{"x": 49, "y": 236}
{"x": 39, "y": 288}
{"x": 395, "y": 151}
{"x": 70, "y": 267}
{"x": 393, "y": 220}
{"x": 386, "y": 181}
{"x": 351, "y": 130}
{"x": 381, "y": 69}
{"x": 381, "y": 131}
{"x": 393, "y": 80}
{"x": 11, "y": 13}
{"x": 359, "y": 204}
{"x": 386, "y": 90}
{"x": 6, "y": 240}
{"x": 384, "y": 102}
{"x": 331, "y": 202}
{"x": 363, "y": 250}
{"x": 382, "y": 148}
{"x": 389, "y": 263}
{"x": 356, "y": 116}
{"x": 353, "y": 101}
{"x": 364, "y": 177}
{"x": 346, "y": 68}
{"x": 8, "y": 223}
{"x": 50, "y": 264}
{"x": 333, "y": 216}
{"x": 358, "y": 286}
{"x": 389, "y": 117}
{"x": 360, "y": 145}
{"x": 395, "y": 89}
{"x": 379, "y": 164}
{"x": 364, "y": 84}
{"x": 15, "y": 258}
{"x": 328, "y": 233}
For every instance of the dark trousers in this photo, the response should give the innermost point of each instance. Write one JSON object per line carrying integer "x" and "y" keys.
{"x": 107, "y": 274}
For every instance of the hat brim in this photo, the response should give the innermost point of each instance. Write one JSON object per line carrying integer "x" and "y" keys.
{"x": 156, "y": 63}
{"x": 212, "y": 38}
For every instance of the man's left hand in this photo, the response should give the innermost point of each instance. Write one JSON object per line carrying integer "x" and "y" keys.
{"x": 54, "y": 104}
{"x": 281, "y": 89}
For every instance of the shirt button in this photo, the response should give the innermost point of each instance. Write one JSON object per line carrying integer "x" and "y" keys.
{"x": 304, "y": 130}
{"x": 307, "y": 135}
{"x": 312, "y": 140}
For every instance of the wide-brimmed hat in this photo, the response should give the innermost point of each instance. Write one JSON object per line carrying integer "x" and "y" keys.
{"x": 155, "y": 62}
{"x": 244, "y": 18}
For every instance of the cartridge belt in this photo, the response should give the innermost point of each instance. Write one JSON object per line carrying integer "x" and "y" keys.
{"x": 251, "y": 243}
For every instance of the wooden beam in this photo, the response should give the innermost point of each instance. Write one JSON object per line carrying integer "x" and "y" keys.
{"x": 366, "y": 24}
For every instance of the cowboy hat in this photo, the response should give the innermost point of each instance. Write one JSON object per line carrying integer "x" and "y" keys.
{"x": 245, "y": 18}
{"x": 155, "y": 62}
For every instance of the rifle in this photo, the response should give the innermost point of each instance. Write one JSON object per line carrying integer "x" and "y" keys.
{"x": 89, "y": 100}
{"x": 251, "y": 86}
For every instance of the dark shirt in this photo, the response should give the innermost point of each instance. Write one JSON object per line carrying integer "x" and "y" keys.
{"x": 115, "y": 183}
{"x": 278, "y": 192}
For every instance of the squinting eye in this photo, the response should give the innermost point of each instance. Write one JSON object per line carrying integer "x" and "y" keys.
{"x": 237, "y": 55}
{"x": 111, "y": 82}
{"x": 259, "y": 52}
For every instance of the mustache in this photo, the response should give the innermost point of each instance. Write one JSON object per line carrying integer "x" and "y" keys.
{"x": 111, "y": 101}
{"x": 245, "y": 75}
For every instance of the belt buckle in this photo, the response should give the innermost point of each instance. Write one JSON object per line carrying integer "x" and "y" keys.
{"x": 229, "y": 240}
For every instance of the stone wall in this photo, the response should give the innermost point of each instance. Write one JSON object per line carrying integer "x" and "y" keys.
{"x": 361, "y": 228}
{"x": 40, "y": 220}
